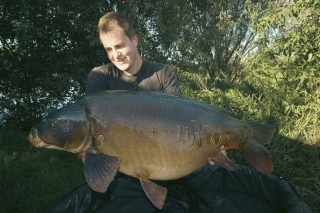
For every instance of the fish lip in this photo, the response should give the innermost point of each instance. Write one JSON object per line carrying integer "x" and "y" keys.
{"x": 33, "y": 132}
{"x": 34, "y": 139}
{"x": 33, "y": 135}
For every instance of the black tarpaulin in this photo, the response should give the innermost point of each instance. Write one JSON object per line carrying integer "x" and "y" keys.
{"x": 212, "y": 189}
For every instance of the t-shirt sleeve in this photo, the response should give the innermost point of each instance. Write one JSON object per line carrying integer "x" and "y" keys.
{"x": 171, "y": 83}
{"x": 96, "y": 82}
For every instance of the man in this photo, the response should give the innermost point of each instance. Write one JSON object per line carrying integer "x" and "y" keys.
{"x": 127, "y": 70}
{"x": 212, "y": 189}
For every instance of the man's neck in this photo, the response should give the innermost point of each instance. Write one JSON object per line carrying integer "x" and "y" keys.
{"x": 136, "y": 67}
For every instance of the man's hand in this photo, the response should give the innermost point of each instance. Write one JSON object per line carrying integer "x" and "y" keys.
{"x": 221, "y": 150}
{"x": 82, "y": 156}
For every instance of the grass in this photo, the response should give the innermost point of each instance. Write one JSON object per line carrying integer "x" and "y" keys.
{"x": 32, "y": 180}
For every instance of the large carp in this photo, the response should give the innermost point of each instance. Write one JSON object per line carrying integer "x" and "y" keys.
{"x": 150, "y": 135}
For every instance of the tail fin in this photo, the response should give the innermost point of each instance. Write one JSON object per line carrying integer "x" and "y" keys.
{"x": 254, "y": 152}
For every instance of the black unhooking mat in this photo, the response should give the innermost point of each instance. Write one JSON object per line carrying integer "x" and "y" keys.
{"x": 211, "y": 189}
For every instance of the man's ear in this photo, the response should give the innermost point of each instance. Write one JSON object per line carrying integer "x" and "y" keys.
{"x": 135, "y": 39}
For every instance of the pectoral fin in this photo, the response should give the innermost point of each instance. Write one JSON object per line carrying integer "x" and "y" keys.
{"x": 100, "y": 169}
{"x": 157, "y": 194}
{"x": 222, "y": 160}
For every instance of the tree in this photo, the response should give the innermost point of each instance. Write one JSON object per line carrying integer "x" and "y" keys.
{"x": 47, "y": 49}
{"x": 285, "y": 67}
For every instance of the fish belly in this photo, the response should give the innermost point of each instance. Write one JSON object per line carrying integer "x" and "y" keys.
{"x": 155, "y": 154}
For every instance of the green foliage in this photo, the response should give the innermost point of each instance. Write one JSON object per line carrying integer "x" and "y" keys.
{"x": 236, "y": 100}
{"x": 285, "y": 67}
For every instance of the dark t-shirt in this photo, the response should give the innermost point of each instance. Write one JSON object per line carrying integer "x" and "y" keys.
{"x": 151, "y": 76}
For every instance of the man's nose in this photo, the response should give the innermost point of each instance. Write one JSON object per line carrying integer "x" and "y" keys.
{"x": 116, "y": 54}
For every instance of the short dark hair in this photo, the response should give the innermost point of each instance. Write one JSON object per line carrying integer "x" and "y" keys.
{"x": 115, "y": 19}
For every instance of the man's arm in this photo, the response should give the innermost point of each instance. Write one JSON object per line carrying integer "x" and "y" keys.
{"x": 170, "y": 81}
{"x": 96, "y": 82}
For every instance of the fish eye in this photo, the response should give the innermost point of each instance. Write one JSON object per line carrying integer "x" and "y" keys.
{"x": 51, "y": 123}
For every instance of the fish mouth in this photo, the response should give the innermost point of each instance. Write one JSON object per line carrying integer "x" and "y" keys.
{"x": 34, "y": 139}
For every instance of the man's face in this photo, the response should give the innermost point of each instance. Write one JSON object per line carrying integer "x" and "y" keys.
{"x": 122, "y": 51}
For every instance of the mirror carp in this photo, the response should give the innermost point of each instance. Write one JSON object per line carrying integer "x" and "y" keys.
{"x": 150, "y": 136}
